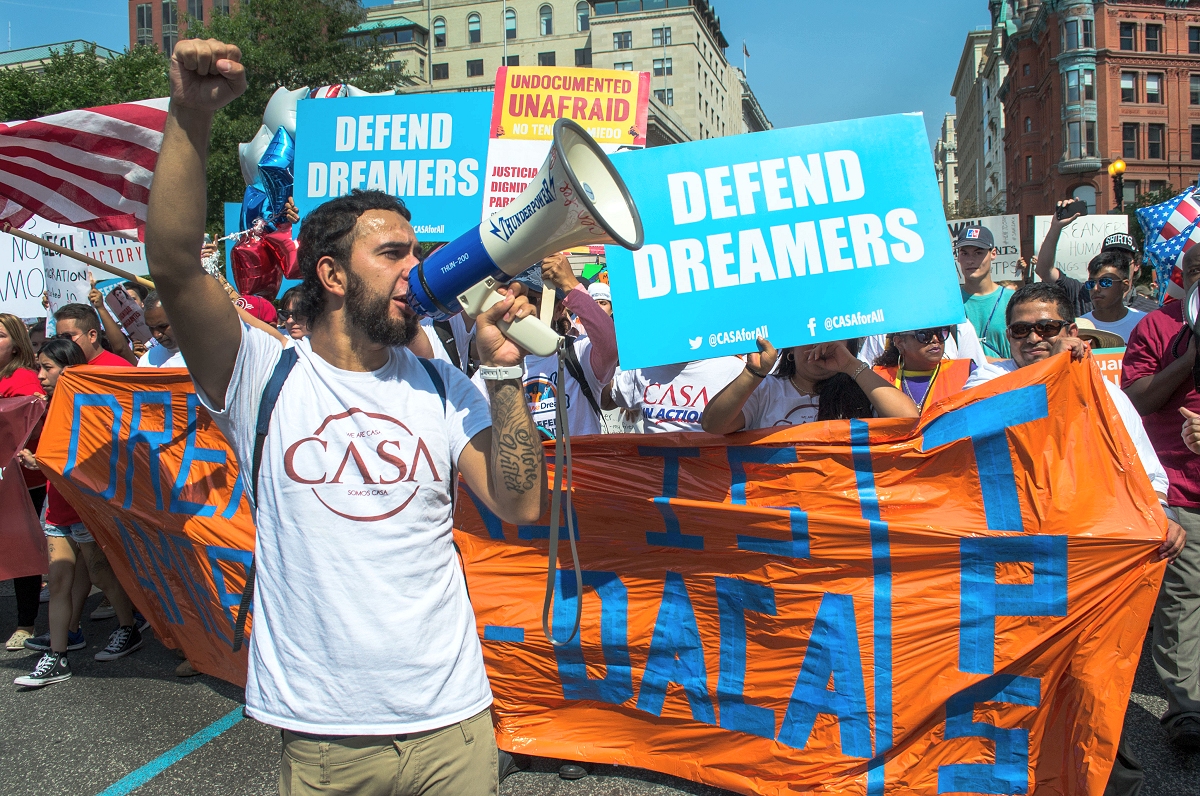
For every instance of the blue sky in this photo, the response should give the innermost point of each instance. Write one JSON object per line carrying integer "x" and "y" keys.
{"x": 811, "y": 60}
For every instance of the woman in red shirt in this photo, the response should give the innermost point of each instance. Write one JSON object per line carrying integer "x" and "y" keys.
{"x": 18, "y": 376}
{"x": 67, "y": 538}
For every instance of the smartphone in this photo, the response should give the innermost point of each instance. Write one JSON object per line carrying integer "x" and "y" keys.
{"x": 1078, "y": 206}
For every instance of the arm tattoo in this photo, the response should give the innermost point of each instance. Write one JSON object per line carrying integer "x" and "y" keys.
{"x": 516, "y": 452}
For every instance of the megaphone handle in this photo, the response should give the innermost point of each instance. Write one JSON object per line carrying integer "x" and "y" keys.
{"x": 530, "y": 333}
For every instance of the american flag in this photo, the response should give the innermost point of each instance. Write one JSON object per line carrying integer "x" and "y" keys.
{"x": 89, "y": 168}
{"x": 1166, "y": 255}
{"x": 1153, "y": 219}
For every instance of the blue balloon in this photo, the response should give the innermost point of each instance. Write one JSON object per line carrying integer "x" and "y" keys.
{"x": 255, "y": 205}
{"x": 275, "y": 170}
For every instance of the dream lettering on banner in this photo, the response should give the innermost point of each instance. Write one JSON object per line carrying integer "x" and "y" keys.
{"x": 853, "y": 607}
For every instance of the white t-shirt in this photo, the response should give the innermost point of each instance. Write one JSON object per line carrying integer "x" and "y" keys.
{"x": 362, "y": 625}
{"x": 673, "y": 397}
{"x": 777, "y": 402}
{"x": 159, "y": 356}
{"x": 542, "y": 389}
{"x": 1123, "y": 327}
{"x": 967, "y": 346}
{"x": 1129, "y": 416}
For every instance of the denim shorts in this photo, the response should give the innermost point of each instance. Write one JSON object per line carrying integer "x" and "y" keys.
{"x": 78, "y": 532}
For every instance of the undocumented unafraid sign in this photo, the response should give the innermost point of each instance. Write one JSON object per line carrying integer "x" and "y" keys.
{"x": 427, "y": 149}
{"x": 801, "y": 235}
{"x": 849, "y": 607}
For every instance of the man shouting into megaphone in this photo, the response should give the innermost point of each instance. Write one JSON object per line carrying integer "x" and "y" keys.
{"x": 364, "y": 648}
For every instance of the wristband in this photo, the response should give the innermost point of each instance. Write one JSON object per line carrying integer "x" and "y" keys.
{"x": 1171, "y": 513}
{"x": 501, "y": 374}
{"x": 858, "y": 371}
{"x": 755, "y": 373}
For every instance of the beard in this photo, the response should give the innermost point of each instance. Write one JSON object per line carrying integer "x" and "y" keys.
{"x": 370, "y": 313}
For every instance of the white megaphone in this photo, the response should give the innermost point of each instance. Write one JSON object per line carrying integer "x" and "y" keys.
{"x": 576, "y": 199}
{"x": 1191, "y": 308}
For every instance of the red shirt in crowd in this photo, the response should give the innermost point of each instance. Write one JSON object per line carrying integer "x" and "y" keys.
{"x": 107, "y": 359}
{"x": 24, "y": 381}
{"x": 1152, "y": 347}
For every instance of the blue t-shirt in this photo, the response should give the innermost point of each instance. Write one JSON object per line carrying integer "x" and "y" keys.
{"x": 986, "y": 313}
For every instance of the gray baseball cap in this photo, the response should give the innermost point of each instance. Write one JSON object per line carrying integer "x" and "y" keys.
{"x": 975, "y": 235}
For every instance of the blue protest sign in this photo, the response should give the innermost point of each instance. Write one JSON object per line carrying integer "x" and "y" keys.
{"x": 801, "y": 235}
{"x": 427, "y": 149}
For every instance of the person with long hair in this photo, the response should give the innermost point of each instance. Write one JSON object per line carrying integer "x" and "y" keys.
{"x": 825, "y": 381}
{"x": 18, "y": 376}
{"x": 67, "y": 539}
{"x": 914, "y": 362}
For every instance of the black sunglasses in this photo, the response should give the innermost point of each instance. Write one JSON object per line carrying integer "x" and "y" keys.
{"x": 1104, "y": 281}
{"x": 1046, "y": 329}
{"x": 927, "y": 336}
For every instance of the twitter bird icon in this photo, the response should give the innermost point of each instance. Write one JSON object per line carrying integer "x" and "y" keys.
{"x": 695, "y": 342}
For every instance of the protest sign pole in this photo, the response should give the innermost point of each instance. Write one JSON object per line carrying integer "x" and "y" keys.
{"x": 83, "y": 258}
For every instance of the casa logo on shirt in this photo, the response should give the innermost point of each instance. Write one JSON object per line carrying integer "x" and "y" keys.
{"x": 666, "y": 402}
{"x": 361, "y": 465}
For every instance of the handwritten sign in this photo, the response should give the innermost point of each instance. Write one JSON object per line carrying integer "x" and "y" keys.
{"x": 1080, "y": 242}
{"x": 1006, "y": 230}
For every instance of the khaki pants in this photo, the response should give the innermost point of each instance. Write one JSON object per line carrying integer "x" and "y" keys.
{"x": 1177, "y": 626}
{"x": 459, "y": 760}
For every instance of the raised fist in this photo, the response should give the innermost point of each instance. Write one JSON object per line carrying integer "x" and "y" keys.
{"x": 206, "y": 74}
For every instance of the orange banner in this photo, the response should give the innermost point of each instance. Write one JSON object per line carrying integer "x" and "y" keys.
{"x": 848, "y": 607}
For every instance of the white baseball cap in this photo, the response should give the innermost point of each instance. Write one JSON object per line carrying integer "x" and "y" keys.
{"x": 600, "y": 291}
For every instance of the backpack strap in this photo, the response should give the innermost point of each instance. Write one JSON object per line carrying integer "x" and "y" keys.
{"x": 266, "y": 407}
{"x": 445, "y": 333}
{"x": 439, "y": 383}
{"x": 575, "y": 368}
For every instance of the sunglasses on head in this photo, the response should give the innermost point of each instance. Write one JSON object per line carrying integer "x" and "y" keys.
{"x": 1046, "y": 329}
{"x": 927, "y": 336}
{"x": 1104, "y": 281}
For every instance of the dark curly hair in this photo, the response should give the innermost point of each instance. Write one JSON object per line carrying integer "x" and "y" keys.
{"x": 839, "y": 397}
{"x": 328, "y": 231}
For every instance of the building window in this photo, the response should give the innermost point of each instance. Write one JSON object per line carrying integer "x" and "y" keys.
{"x": 667, "y": 96}
{"x": 1074, "y": 142}
{"x": 1089, "y": 139}
{"x": 439, "y": 32}
{"x": 1028, "y": 125}
{"x": 1089, "y": 39}
{"x": 1194, "y": 41}
{"x": 1025, "y": 70}
{"x": 1154, "y": 38}
{"x": 221, "y": 7}
{"x": 623, "y": 40}
{"x": 987, "y": 146}
{"x": 1194, "y": 89}
{"x": 145, "y": 25}
{"x": 1129, "y": 141}
{"x": 475, "y": 68}
{"x": 441, "y": 71}
{"x": 660, "y": 37}
{"x": 582, "y": 21}
{"x": 662, "y": 66}
{"x": 474, "y": 34}
{"x": 1128, "y": 87}
{"x": 1156, "y": 135}
{"x": 583, "y": 57}
{"x": 170, "y": 25}
{"x": 1028, "y": 168}
{"x": 195, "y": 9}
{"x": 1088, "y": 79}
{"x": 1072, "y": 35}
{"x": 545, "y": 59}
{"x": 546, "y": 20}
{"x": 1158, "y": 185}
{"x": 1128, "y": 35}
{"x": 1195, "y": 138}
{"x": 1073, "y": 85}
{"x": 623, "y": 66}
{"x": 510, "y": 24}
{"x": 1129, "y": 195}
{"x": 1154, "y": 88}
{"x": 512, "y": 60}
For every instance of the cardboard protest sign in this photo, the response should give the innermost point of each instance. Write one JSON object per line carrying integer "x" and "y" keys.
{"x": 68, "y": 281}
{"x": 854, "y": 607}
{"x": 128, "y": 255}
{"x": 427, "y": 149}
{"x": 1079, "y": 242}
{"x": 801, "y": 235}
{"x": 22, "y": 280}
{"x": 128, "y": 313}
{"x": 1007, "y": 232}
{"x": 611, "y": 104}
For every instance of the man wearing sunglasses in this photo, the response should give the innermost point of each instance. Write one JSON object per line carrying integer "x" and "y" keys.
{"x": 1157, "y": 374}
{"x": 1108, "y": 284}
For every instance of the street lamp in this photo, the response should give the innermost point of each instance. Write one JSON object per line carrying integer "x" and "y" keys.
{"x": 1116, "y": 170}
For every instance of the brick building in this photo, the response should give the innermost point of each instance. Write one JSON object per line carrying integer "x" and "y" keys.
{"x": 161, "y": 22}
{"x": 1090, "y": 81}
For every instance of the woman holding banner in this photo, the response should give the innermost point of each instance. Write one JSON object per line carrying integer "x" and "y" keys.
{"x": 825, "y": 381}
{"x": 914, "y": 362}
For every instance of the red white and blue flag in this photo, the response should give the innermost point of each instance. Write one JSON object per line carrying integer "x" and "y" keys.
{"x": 89, "y": 168}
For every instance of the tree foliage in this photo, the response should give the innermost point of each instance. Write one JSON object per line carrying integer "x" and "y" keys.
{"x": 289, "y": 43}
{"x": 78, "y": 78}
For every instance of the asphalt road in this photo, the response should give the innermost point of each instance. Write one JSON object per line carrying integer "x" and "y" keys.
{"x": 95, "y": 734}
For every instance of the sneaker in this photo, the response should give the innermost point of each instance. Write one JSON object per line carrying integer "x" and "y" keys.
{"x": 1185, "y": 734}
{"x": 16, "y": 641}
{"x": 75, "y": 641}
{"x": 44, "y": 594}
{"x": 141, "y": 622}
{"x": 51, "y": 668}
{"x": 123, "y": 641}
{"x": 103, "y": 611}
